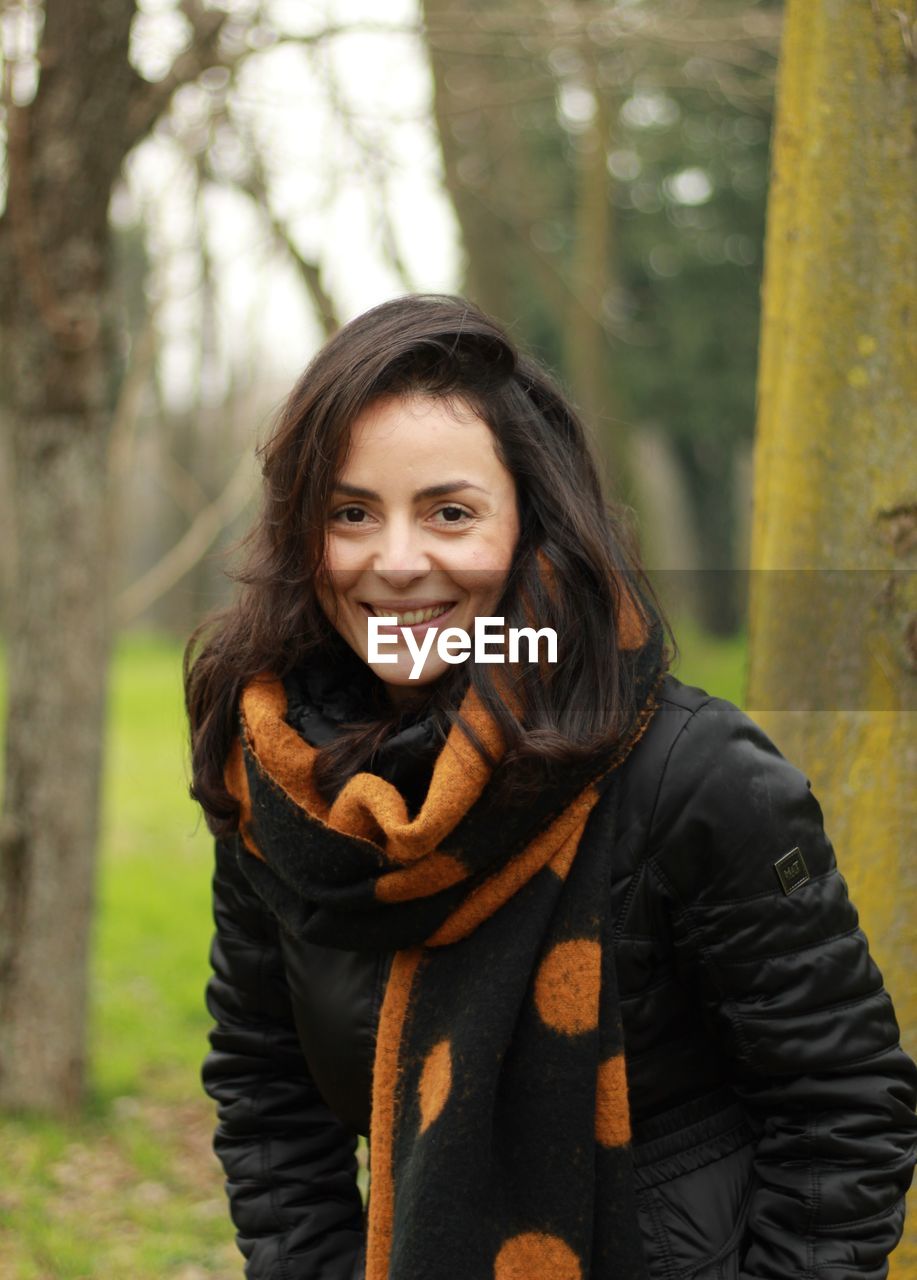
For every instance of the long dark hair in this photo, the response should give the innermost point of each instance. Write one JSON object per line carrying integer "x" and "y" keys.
{"x": 442, "y": 347}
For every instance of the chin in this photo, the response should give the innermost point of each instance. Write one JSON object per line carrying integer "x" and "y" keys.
{"x": 401, "y": 679}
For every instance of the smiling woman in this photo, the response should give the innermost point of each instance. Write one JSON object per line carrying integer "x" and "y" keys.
{"x": 421, "y": 462}
{"x": 527, "y": 925}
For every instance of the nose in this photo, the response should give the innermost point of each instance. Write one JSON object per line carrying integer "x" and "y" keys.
{"x": 400, "y": 557}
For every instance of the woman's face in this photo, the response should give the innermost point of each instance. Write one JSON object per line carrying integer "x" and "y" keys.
{"x": 423, "y": 523}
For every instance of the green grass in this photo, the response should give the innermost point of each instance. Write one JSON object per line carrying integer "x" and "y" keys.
{"x": 132, "y": 1188}
{"x": 153, "y": 922}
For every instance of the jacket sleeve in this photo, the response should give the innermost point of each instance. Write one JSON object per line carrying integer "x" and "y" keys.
{"x": 289, "y": 1163}
{"x": 792, "y": 998}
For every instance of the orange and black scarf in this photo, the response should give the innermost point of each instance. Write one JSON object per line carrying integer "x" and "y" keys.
{"x": 500, "y": 1126}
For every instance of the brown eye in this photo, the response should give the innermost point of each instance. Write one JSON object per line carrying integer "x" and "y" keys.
{"x": 349, "y": 515}
{"x": 453, "y": 515}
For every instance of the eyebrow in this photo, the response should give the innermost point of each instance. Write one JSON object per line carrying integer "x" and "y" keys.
{"x": 431, "y": 491}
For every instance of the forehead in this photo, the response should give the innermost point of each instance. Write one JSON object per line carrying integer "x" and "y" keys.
{"x": 410, "y": 431}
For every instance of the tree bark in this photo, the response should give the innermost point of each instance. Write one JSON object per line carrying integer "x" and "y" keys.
{"x": 833, "y": 669}
{"x": 60, "y": 370}
{"x": 586, "y": 355}
{"x": 487, "y": 150}
{"x": 57, "y": 660}
{"x": 65, "y": 150}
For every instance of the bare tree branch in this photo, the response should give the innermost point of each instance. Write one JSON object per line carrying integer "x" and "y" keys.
{"x": 191, "y": 547}
{"x": 209, "y": 49}
{"x": 203, "y": 52}
{"x": 183, "y": 488}
{"x": 255, "y": 185}
{"x": 373, "y": 164}
{"x": 143, "y": 353}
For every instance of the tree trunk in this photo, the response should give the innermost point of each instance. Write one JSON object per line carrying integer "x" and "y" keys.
{"x": 491, "y": 169}
{"x": 65, "y": 150}
{"x": 708, "y": 471}
{"x": 586, "y": 351}
{"x": 503, "y": 154}
{"x": 833, "y": 670}
{"x": 470, "y": 136}
{"x": 57, "y": 661}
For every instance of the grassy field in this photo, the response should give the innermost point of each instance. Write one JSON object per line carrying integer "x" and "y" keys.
{"x": 132, "y": 1189}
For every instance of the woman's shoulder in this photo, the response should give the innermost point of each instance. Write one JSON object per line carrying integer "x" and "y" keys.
{"x": 694, "y": 729}
{"x": 691, "y": 726}
{"x": 722, "y": 800}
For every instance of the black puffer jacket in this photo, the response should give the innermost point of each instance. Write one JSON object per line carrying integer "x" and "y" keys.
{"x": 772, "y": 1105}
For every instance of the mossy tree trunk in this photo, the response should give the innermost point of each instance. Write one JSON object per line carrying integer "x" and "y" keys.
{"x": 833, "y": 667}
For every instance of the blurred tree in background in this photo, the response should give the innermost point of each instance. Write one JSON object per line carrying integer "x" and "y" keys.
{"x": 60, "y": 348}
{"x": 74, "y": 108}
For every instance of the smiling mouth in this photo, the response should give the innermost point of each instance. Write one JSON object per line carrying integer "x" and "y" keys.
{"x": 411, "y": 617}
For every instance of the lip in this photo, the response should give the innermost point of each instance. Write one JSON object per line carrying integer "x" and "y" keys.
{"x": 404, "y": 606}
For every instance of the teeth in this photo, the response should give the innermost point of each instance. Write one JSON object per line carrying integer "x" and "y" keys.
{"x": 413, "y": 616}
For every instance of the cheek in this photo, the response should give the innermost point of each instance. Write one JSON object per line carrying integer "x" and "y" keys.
{"x": 342, "y": 563}
{"x": 494, "y": 561}
{"x": 511, "y": 532}
{"x": 499, "y": 546}
{"x": 335, "y": 579}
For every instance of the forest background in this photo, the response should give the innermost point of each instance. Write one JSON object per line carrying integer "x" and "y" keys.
{"x": 196, "y": 195}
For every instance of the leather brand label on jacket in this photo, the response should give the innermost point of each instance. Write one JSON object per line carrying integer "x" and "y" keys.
{"x": 792, "y": 871}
